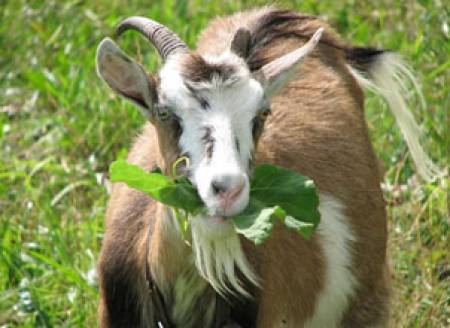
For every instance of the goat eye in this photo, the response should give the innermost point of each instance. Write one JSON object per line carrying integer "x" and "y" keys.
{"x": 265, "y": 113}
{"x": 162, "y": 113}
{"x": 257, "y": 125}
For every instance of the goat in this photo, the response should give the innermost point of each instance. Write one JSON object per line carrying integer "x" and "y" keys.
{"x": 255, "y": 90}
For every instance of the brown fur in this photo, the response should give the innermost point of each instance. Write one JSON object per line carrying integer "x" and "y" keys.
{"x": 318, "y": 129}
{"x": 323, "y": 112}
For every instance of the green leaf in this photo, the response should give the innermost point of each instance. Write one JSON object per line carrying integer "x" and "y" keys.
{"x": 276, "y": 193}
{"x": 296, "y": 194}
{"x": 180, "y": 194}
{"x": 303, "y": 228}
{"x": 256, "y": 221}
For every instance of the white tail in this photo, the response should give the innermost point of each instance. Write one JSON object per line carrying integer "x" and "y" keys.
{"x": 389, "y": 77}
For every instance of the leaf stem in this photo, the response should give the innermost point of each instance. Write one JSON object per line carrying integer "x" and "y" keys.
{"x": 177, "y": 162}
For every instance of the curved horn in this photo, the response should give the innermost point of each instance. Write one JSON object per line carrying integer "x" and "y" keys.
{"x": 164, "y": 40}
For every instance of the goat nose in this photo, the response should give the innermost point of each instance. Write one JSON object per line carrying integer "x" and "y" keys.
{"x": 227, "y": 183}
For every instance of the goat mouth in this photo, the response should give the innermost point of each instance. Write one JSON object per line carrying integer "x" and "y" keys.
{"x": 222, "y": 215}
{"x": 220, "y": 218}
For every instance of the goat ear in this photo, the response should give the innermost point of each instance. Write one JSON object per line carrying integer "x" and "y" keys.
{"x": 274, "y": 75}
{"x": 125, "y": 76}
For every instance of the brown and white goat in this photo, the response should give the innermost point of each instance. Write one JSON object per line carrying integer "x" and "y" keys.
{"x": 254, "y": 91}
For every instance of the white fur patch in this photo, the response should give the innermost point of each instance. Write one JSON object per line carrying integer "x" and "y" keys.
{"x": 218, "y": 255}
{"x": 335, "y": 238}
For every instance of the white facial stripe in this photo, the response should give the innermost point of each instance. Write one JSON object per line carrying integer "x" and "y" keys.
{"x": 231, "y": 112}
{"x": 227, "y": 119}
{"x": 224, "y": 151}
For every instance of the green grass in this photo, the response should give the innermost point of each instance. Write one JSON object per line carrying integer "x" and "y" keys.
{"x": 60, "y": 128}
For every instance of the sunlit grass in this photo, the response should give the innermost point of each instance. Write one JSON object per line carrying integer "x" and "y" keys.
{"x": 60, "y": 128}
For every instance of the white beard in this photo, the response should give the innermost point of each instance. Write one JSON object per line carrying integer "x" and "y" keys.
{"x": 217, "y": 253}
